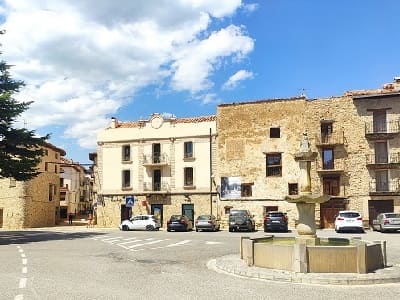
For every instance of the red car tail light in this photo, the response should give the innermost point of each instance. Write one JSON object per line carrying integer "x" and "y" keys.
{"x": 340, "y": 218}
{"x": 267, "y": 218}
{"x": 183, "y": 222}
{"x": 359, "y": 218}
{"x": 169, "y": 221}
{"x": 386, "y": 221}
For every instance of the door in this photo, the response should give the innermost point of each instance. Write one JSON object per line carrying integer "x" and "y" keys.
{"x": 329, "y": 211}
{"x": 382, "y": 181}
{"x": 156, "y": 153}
{"x": 381, "y": 153}
{"x": 379, "y": 121}
{"x": 331, "y": 186}
{"x": 376, "y": 207}
{"x": 126, "y": 212}
{"x": 188, "y": 211}
{"x": 157, "y": 180}
{"x": 157, "y": 211}
{"x": 326, "y": 132}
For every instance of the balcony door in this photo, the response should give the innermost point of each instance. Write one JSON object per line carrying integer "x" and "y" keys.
{"x": 381, "y": 153}
{"x": 157, "y": 180}
{"x": 326, "y": 132}
{"x": 379, "y": 121}
{"x": 156, "y": 153}
{"x": 331, "y": 186}
{"x": 382, "y": 180}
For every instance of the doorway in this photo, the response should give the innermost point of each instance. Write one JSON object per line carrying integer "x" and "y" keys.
{"x": 157, "y": 211}
{"x": 156, "y": 153}
{"x": 126, "y": 212}
{"x": 188, "y": 211}
{"x": 157, "y": 180}
{"x": 376, "y": 207}
{"x": 329, "y": 211}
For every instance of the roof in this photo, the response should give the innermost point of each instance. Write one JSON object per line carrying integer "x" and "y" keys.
{"x": 259, "y": 101}
{"x": 199, "y": 119}
{"x": 51, "y": 146}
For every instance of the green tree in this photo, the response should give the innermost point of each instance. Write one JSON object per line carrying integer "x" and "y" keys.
{"x": 20, "y": 149}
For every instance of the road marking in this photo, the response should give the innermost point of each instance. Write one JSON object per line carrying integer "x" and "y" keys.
{"x": 23, "y": 255}
{"x": 212, "y": 243}
{"x": 133, "y": 241}
{"x": 20, "y": 250}
{"x": 179, "y": 243}
{"x": 113, "y": 238}
{"x": 135, "y": 246}
{"x": 22, "y": 282}
{"x": 132, "y": 238}
{"x": 24, "y": 261}
{"x": 19, "y": 297}
{"x": 24, "y": 270}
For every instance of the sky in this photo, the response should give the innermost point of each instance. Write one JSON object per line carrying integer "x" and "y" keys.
{"x": 86, "y": 61}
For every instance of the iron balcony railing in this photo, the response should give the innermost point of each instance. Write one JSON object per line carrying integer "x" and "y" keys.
{"x": 155, "y": 159}
{"x": 384, "y": 186}
{"x": 334, "y": 138}
{"x": 156, "y": 186}
{"x": 392, "y": 158}
{"x": 331, "y": 165}
{"x": 382, "y": 127}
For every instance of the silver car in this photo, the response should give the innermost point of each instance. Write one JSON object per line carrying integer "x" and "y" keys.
{"x": 386, "y": 222}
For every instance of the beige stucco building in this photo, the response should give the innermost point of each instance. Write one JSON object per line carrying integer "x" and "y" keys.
{"x": 164, "y": 163}
{"x": 356, "y": 136}
{"x": 34, "y": 203}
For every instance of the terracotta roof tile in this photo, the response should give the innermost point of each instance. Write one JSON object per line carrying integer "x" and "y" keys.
{"x": 136, "y": 124}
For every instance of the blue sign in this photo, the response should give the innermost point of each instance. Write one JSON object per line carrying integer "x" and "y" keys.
{"x": 130, "y": 200}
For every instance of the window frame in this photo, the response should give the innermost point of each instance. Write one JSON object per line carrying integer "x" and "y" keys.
{"x": 126, "y": 157}
{"x": 274, "y": 132}
{"x": 124, "y": 183}
{"x": 185, "y": 181}
{"x": 272, "y": 168}
{"x": 186, "y": 154}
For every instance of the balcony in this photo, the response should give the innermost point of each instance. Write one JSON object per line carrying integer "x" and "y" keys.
{"x": 376, "y": 162}
{"x": 384, "y": 188}
{"x": 332, "y": 139}
{"x": 333, "y": 167}
{"x": 156, "y": 187}
{"x": 382, "y": 130}
{"x": 155, "y": 160}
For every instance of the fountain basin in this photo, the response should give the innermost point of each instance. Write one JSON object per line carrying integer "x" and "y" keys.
{"x": 332, "y": 255}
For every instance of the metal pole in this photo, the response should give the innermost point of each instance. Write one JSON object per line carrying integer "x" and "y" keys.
{"x": 210, "y": 173}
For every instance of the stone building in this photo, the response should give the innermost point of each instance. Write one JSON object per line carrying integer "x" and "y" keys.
{"x": 161, "y": 166}
{"x": 356, "y": 136}
{"x": 34, "y": 203}
{"x": 74, "y": 190}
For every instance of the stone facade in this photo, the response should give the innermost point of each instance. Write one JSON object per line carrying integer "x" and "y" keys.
{"x": 165, "y": 164}
{"x": 251, "y": 132}
{"x": 34, "y": 203}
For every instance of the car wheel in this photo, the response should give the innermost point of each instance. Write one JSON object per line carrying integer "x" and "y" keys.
{"x": 125, "y": 227}
{"x": 381, "y": 229}
{"x": 169, "y": 229}
{"x": 230, "y": 230}
{"x": 197, "y": 230}
{"x": 149, "y": 227}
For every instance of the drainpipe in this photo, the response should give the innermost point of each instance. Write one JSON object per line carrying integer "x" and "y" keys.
{"x": 210, "y": 173}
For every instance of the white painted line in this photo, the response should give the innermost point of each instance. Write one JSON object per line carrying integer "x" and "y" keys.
{"x": 179, "y": 243}
{"x": 113, "y": 238}
{"x": 18, "y": 247}
{"x": 24, "y": 261}
{"x": 135, "y": 246}
{"x": 23, "y": 255}
{"x": 22, "y": 283}
{"x": 213, "y": 243}
{"x": 154, "y": 242}
{"x": 24, "y": 270}
{"x": 19, "y": 297}
{"x": 20, "y": 250}
{"x": 149, "y": 239}
{"x": 132, "y": 238}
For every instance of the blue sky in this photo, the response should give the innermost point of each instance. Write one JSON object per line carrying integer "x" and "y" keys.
{"x": 85, "y": 64}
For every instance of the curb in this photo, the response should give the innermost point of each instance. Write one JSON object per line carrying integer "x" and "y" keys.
{"x": 233, "y": 265}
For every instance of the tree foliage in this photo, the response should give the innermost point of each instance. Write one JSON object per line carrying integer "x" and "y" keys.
{"x": 20, "y": 149}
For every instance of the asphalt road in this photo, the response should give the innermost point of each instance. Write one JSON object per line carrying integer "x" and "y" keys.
{"x": 80, "y": 263}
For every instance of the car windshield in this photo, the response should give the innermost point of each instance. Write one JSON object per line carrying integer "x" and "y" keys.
{"x": 392, "y": 215}
{"x": 205, "y": 217}
{"x": 274, "y": 215}
{"x": 238, "y": 212}
{"x": 176, "y": 217}
{"x": 350, "y": 214}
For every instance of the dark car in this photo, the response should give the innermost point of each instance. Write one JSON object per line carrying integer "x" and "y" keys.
{"x": 275, "y": 221}
{"x": 240, "y": 219}
{"x": 207, "y": 222}
{"x": 179, "y": 223}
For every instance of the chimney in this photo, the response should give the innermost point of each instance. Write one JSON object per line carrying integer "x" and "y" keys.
{"x": 114, "y": 122}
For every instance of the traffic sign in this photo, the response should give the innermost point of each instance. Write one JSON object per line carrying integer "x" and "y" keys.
{"x": 130, "y": 201}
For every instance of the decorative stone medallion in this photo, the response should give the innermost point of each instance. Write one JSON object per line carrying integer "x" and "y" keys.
{"x": 156, "y": 121}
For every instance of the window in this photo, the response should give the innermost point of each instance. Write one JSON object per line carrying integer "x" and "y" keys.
{"x": 52, "y": 191}
{"x": 246, "y": 189}
{"x": 275, "y": 132}
{"x": 326, "y": 131}
{"x": 126, "y": 179}
{"x": 188, "y": 173}
{"x": 188, "y": 149}
{"x": 46, "y": 166}
{"x": 327, "y": 159}
{"x": 126, "y": 153}
{"x": 274, "y": 164}
{"x": 293, "y": 189}
{"x": 56, "y": 155}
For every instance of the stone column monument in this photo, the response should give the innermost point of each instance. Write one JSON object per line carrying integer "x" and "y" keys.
{"x": 306, "y": 201}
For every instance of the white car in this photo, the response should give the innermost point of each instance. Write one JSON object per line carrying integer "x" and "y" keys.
{"x": 348, "y": 220}
{"x": 141, "y": 222}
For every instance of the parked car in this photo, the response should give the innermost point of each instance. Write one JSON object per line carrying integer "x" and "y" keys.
{"x": 386, "y": 222}
{"x": 348, "y": 220}
{"x": 140, "y": 222}
{"x": 207, "y": 222}
{"x": 275, "y": 221}
{"x": 179, "y": 223}
{"x": 240, "y": 219}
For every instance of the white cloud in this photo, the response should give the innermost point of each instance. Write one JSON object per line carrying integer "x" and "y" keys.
{"x": 250, "y": 7}
{"x": 83, "y": 62}
{"x": 234, "y": 80}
